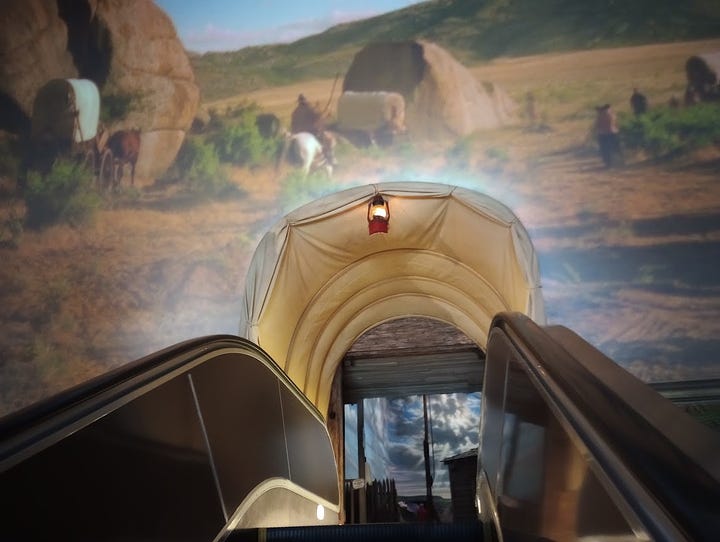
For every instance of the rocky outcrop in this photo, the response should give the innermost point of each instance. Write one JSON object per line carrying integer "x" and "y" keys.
{"x": 33, "y": 49}
{"x": 149, "y": 63}
{"x": 441, "y": 95}
{"x": 128, "y": 47}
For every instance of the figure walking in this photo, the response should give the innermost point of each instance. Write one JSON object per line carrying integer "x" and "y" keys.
{"x": 607, "y": 135}
{"x": 638, "y": 102}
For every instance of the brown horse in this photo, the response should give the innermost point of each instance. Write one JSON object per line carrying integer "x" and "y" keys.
{"x": 125, "y": 146}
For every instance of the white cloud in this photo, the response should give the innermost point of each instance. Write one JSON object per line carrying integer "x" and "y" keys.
{"x": 395, "y": 432}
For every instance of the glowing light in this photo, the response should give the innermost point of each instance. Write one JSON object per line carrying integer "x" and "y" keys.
{"x": 378, "y": 215}
{"x": 320, "y": 512}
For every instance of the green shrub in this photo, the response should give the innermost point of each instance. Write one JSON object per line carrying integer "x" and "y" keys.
{"x": 198, "y": 166}
{"x": 240, "y": 142}
{"x": 405, "y": 149}
{"x": 11, "y": 229}
{"x": 460, "y": 153}
{"x": 672, "y": 132}
{"x": 9, "y": 158}
{"x": 498, "y": 154}
{"x": 115, "y": 107}
{"x": 64, "y": 195}
{"x": 215, "y": 120}
{"x": 298, "y": 189}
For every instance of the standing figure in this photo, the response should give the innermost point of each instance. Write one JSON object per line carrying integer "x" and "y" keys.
{"x": 638, "y": 102}
{"x": 607, "y": 134}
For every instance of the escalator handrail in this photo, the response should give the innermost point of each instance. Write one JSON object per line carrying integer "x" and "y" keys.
{"x": 39, "y": 425}
{"x": 671, "y": 455}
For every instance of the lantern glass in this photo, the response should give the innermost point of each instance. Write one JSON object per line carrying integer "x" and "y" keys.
{"x": 378, "y": 215}
{"x": 378, "y": 209}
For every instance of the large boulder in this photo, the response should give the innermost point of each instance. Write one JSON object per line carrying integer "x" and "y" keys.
{"x": 441, "y": 95}
{"x": 150, "y": 64}
{"x": 33, "y": 49}
{"x": 129, "y": 48}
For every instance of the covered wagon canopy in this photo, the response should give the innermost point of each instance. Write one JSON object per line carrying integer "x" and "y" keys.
{"x": 66, "y": 110}
{"x": 703, "y": 73}
{"x": 318, "y": 280}
{"x": 441, "y": 95}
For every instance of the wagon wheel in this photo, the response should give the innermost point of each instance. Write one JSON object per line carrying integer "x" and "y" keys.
{"x": 89, "y": 161}
{"x": 106, "y": 176}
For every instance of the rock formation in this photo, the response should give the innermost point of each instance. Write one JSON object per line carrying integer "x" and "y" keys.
{"x": 441, "y": 95}
{"x": 129, "y": 48}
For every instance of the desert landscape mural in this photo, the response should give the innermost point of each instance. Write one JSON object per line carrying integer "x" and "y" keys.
{"x": 100, "y": 272}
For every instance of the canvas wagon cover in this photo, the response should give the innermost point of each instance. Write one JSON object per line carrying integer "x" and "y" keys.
{"x": 66, "y": 110}
{"x": 318, "y": 280}
{"x": 369, "y": 110}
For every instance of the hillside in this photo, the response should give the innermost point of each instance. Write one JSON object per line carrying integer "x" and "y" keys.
{"x": 474, "y": 30}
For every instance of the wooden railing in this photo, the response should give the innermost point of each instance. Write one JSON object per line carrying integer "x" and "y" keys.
{"x": 374, "y": 502}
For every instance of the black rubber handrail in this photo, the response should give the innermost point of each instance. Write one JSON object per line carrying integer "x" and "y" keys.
{"x": 673, "y": 456}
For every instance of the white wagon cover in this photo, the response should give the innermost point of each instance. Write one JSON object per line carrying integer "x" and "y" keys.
{"x": 318, "y": 280}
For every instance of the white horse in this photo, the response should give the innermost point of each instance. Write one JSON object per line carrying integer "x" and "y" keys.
{"x": 309, "y": 152}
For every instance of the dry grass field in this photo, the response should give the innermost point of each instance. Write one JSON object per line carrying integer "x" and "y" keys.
{"x": 628, "y": 256}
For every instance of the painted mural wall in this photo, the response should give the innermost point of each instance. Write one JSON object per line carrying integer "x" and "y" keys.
{"x": 601, "y": 133}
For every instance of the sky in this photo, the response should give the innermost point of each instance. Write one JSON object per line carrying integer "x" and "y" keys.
{"x": 227, "y": 25}
{"x": 394, "y": 432}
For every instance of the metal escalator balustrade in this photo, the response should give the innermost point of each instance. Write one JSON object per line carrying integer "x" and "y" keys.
{"x": 573, "y": 447}
{"x": 180, "y": 445}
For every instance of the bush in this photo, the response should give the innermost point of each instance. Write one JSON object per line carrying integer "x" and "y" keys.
{"x": 11, "y": 229}
{"x": 298, "y": 189}
{"x": 116, "y": 107}
{"x": 198, "y": 166}
{"x": 671, "y": 132}
{"x": 64, "y": 195}
{"x": 242, "y": 144}
{"x": 9, "y": 158}
{"x": 460, "y": 153}
{"x": 498, "y": 154}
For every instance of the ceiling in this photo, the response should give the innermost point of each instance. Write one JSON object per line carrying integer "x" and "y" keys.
{"x": 411, "y": 356}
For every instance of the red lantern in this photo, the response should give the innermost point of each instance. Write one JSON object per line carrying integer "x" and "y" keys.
{"x": 378, "y": 215}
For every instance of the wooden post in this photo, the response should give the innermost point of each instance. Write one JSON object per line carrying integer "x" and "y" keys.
{"x": 426, "y": 452}
{"x": 361, "y": 460}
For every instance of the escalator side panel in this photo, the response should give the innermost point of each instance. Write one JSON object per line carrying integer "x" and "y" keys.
{"x": 308, "y": 453}
{"x": 241, "y": 410}
{"x": 544, "y": 486}
{"x": 166, "y": 449}
{"x": 139, "y": 473}
{"x": 614, "y": 455}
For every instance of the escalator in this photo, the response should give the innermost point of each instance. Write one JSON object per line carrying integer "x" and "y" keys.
{"x": 210, "y": 440}
{"x": 204, "y": 436}
{"x": 573, "y": 447}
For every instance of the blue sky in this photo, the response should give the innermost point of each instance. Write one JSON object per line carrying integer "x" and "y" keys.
{"x": 226, "y": 25}
{"x": 394, "y": 432}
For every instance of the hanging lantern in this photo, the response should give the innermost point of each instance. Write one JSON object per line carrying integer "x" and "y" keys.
{"x": 378, "y": 215}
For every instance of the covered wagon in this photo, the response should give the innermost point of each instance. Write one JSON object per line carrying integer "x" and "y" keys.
{"x": 703, "y": 75}
{"x": 64, "y": 122}
{"x": 377, "y": 115}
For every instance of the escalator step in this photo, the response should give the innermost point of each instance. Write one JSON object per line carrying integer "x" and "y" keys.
{"x": 373, "y": 532}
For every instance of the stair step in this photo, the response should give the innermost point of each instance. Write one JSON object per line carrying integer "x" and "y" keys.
{"x": 373, "y": 532}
